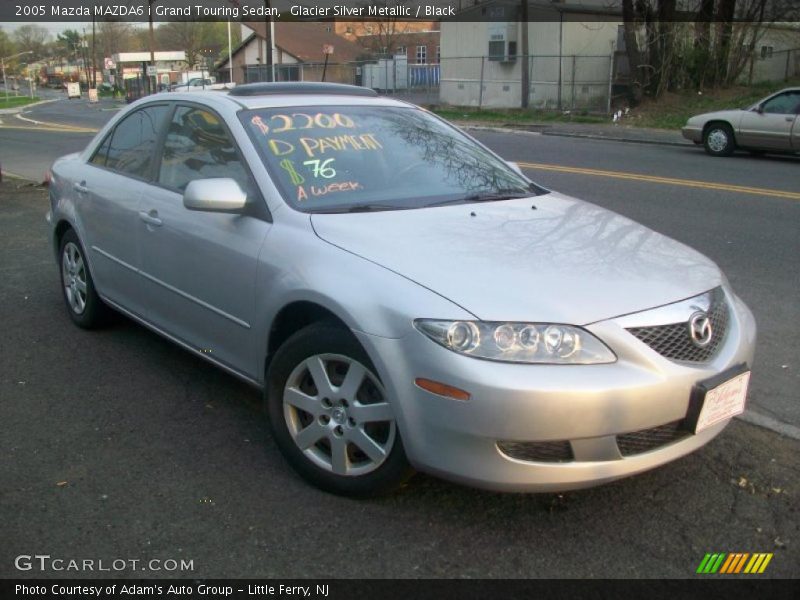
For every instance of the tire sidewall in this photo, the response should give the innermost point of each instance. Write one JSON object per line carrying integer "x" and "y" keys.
{"x": 324, "y": 338}
{"x": 729, "y": 147}
{"x": 95, "y": 313}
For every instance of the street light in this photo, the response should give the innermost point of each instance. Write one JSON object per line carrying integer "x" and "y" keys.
{"x": 3, "y": 65}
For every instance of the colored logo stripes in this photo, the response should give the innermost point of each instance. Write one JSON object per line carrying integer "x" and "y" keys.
{"x": 734, "y": 563}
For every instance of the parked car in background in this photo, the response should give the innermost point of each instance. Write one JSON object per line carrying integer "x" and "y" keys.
{"x": 402, "y": 295}
{"x": 769, "y": 125}
{"x": 198, "y": 84}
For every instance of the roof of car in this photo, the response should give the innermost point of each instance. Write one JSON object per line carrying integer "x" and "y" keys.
{"x": 287, "y": 95}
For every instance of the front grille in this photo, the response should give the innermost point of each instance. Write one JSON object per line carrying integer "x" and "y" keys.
{"x": 636, "y": 442}
{"x": 675, "y": 342}
{"x": 559, "y": 451}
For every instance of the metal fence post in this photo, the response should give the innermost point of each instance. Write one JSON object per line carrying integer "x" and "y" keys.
{"x": 786, "y": 72}
{"x": 572, "y": 94}
{"x": 480, "y": 88}
{"x": 610, "y": 83}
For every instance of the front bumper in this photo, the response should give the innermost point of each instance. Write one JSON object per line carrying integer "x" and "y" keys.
{"x": 584, "y": 406}
{"x": 692, "y": 133}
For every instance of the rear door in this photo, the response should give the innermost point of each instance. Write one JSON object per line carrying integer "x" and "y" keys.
{"x": 201, "y": 266}
{"x": 109, "y": 194}
{"x": 772, "y": 126}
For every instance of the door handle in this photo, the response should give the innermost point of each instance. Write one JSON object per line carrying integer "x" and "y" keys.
{"x": 150, "y": 218}
{"x": 790, "y": 119}
{"x": 80, "y": 187}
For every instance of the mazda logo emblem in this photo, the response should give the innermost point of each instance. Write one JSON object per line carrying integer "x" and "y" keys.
{"x": 700, "y": 329}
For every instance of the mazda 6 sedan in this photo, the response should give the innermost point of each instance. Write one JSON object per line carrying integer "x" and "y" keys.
{"x": 770, "y": 125}
{"x": 404, "y": 297}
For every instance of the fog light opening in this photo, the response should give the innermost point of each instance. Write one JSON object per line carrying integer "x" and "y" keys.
{"x": 441, "y": 389}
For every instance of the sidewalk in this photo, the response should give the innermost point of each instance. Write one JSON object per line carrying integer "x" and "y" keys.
{"x": 610, "y": 132}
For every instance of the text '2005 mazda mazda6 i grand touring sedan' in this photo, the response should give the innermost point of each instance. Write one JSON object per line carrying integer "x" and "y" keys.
{"x": 405, "y": 298}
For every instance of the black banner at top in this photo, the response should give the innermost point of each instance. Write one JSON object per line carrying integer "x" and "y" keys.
{"x": 784, "y": 11}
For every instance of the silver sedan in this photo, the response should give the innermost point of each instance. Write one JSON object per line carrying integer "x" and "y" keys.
{"x": 769, "y": 125}
{"x": 404, "y": 297}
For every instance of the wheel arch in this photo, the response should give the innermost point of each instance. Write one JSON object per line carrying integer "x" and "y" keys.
{"x": 292, "y": 318}
{"x": 58, "y": 233}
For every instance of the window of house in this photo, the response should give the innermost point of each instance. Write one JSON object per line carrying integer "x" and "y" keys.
{"x": 422, "y": 55}
{"x": 438, "y": 54}
{"x": 401, "y": 50}
{"x": 766, "y": 51}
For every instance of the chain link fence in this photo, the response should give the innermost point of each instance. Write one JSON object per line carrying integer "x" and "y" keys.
{"x": 579, "y": 83}
{"x": 777, "y": 65}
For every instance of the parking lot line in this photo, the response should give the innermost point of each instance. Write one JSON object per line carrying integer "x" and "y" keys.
{"x": 725, "y": 187}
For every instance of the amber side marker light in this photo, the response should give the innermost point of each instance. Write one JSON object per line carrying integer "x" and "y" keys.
{"x": 441, "y": 389}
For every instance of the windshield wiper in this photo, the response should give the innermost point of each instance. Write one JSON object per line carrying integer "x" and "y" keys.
{"x": 492, "y": 196}
{"x": 359, "y": 208}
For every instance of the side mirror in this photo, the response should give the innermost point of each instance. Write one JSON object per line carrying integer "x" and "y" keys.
{"x": 760, "y": 109}
{"x": 215, "y": 195}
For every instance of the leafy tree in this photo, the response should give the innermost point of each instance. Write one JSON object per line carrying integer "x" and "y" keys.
{"x": 69, "y": 43}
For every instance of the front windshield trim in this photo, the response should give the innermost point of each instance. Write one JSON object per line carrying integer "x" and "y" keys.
{"x": 482, "y": 156}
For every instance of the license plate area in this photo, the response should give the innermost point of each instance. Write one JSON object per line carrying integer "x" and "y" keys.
{"x": 717, "y": 399}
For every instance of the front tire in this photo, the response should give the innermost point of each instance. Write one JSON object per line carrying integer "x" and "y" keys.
{"x": 718, "y": 139}
{"x": 84, "y": 306}
{"x": 330, "y": 415}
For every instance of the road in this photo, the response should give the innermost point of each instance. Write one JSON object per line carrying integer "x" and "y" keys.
{"x": 120, "y": 445}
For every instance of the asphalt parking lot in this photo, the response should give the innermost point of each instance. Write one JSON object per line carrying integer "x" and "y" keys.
{"x": 118, "y": 445}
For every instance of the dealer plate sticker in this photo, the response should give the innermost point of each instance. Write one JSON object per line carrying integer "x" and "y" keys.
{"x": 723, "y": 402}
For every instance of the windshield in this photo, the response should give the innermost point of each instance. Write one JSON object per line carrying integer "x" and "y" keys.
{"x": 350, "y": 158}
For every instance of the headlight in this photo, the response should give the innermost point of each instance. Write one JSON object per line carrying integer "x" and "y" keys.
{"x": 546, "y": 343}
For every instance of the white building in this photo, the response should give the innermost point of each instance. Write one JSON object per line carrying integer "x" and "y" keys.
{"x": 572, "y": 47}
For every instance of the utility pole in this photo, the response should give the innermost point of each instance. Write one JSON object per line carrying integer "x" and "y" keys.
{"x": 151, "y": 42}
{"x": 94, "y": 63}
{"x": 268, "y": 30}
{"x": 525, "y": 79}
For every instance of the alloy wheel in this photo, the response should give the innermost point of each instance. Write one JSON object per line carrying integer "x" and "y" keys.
{"x": 337, "y": 414}
{"x": 73, "y": 276}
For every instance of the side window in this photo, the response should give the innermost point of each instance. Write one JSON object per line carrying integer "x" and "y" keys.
{"x": 785, "y": 104}
{"x": 101, "y": 153}
{"x": 134, "y": 141}
{"x": 197, "y": 146}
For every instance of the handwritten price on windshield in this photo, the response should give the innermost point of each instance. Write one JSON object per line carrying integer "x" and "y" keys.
{"x": 302, "y": 121}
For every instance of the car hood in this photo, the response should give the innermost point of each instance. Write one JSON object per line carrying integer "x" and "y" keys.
{"x": 732, "y": 116}
{"x": 564, "y": 261}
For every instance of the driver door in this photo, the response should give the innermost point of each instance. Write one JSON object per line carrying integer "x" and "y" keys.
{"x": 773, "y": 125}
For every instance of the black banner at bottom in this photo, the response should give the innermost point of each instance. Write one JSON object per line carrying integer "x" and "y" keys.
{"x": 406, "y": 589}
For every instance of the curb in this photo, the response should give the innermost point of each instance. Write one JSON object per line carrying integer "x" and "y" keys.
{"x": 19, "y": 109}
{"x": 627, "y": 140}
{"x": 590, "y": 136}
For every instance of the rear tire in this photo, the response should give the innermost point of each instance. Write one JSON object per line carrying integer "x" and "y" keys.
{"x": 84, "y": 306}
{"x": 330, "y": 416}
{"x": 718, "y": 139}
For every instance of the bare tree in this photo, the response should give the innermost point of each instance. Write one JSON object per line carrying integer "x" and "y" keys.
{"x": 7, "y": 47}
{"x": 32, "y": 38}
{"x": 114, "y": 37}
